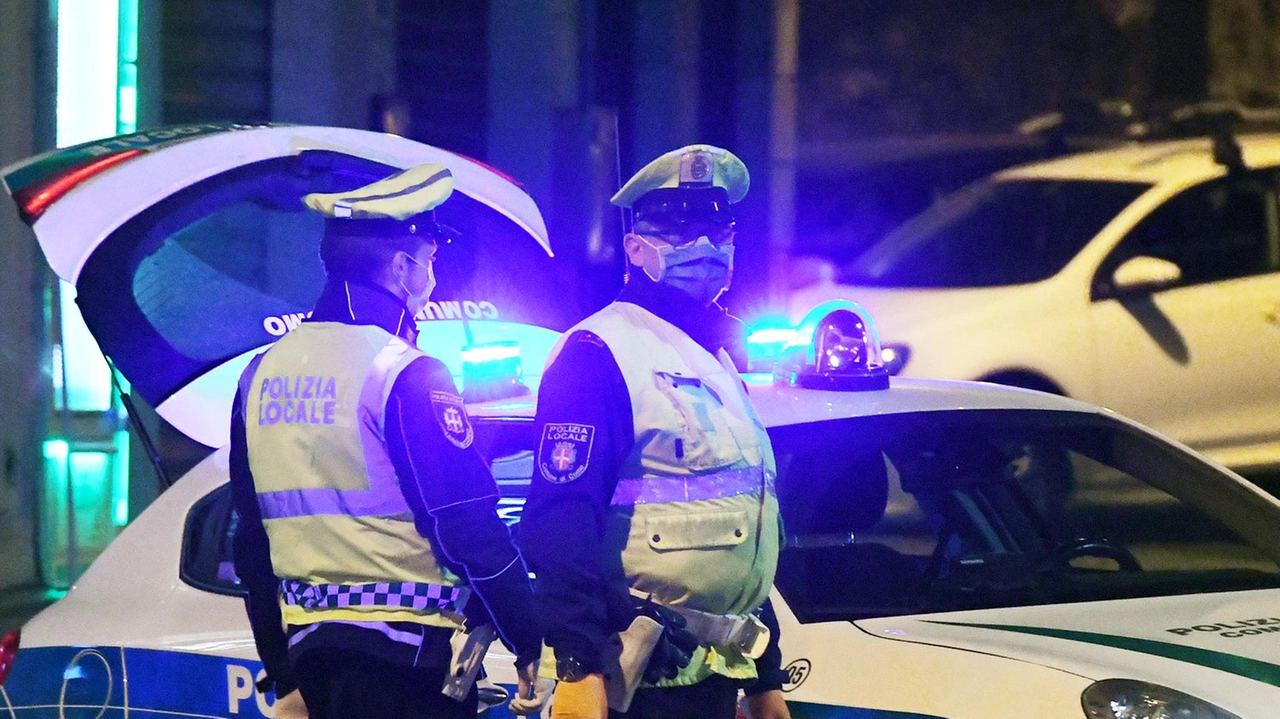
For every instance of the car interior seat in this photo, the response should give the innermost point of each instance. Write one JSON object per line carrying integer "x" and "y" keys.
{"x": 829, "y": 568}
{"x": 983, "y": 515}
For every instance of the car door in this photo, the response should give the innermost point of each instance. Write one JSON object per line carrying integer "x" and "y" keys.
{"x": 191, "y": 250}
{"x": 1199, "y": 358}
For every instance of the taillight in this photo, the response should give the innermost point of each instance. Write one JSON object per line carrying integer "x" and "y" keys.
{"x": 34, "y": 200}
{"x": 8, "y": 652}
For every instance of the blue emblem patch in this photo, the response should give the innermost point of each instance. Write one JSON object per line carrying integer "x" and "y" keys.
{"x": 452, "y": 417}
{"x": 565, "y": 451}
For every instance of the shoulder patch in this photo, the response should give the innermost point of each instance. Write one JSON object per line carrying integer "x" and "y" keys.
{"x": 452, "y": 416}
{"x": 565, "y": 451}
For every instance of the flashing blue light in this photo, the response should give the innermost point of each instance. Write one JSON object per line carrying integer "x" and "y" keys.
{"x": 490, "y": 352}
{"x": 492, "y": 371}
{"x": 446, "y": 340}
{"x": 765, "y": 339}
{"x": 803, "y": 338}
{"x": 770, "y": 336}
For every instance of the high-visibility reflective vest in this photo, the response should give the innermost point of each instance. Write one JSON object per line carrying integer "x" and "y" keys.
{"x": 342, "y": 536}
{"x": 694, "y": 510}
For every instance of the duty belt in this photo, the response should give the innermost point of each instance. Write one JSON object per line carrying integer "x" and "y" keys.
{"x": 416, "y": 596}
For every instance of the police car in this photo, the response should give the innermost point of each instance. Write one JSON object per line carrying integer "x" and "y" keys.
{"x": 954, "y": 550}
{"x": 1100, "y": 276}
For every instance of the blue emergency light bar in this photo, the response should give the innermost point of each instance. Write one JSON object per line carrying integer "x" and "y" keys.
{"x": 491, "y": 370}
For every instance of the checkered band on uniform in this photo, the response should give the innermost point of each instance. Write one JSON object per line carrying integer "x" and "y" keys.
{"x": 403, "y": 595}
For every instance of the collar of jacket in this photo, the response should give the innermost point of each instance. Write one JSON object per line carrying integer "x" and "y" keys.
{"x": 711, "y": 327}
{"x": 359, "y": 303}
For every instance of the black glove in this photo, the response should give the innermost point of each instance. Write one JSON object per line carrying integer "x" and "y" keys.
{"x": 675, "y": 645}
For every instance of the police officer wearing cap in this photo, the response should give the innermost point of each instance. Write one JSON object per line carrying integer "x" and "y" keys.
{"x": 652, "y": 524}
{"x": 376, "y": 565}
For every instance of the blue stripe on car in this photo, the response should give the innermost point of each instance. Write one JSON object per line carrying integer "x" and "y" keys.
{"x": 81, "y": 681}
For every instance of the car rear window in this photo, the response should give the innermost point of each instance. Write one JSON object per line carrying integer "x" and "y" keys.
{"x": 231, "y": 263}
{"x": 946, "y": 511}
{"x": 993, "y": 233}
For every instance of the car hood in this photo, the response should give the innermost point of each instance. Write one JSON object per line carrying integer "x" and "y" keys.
{"x": 190, "y": 250}
{"x": 1220, "y": 647}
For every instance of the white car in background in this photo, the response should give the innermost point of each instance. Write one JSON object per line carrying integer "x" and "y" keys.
{"x": 954, "y": 550}
{"x": 1144, "y": 278}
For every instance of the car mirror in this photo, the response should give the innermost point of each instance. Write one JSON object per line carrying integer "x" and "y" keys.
{"x": 1145, "y": 274}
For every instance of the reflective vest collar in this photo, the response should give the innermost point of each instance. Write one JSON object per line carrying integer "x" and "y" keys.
{"x": 689, "y": 407}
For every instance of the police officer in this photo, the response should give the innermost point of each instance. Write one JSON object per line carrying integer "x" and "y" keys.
{"x": 652, "y": 525}
{"x": 368, "y": 527}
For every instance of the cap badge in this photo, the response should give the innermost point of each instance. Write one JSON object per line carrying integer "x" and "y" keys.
{"x": 696, "y": 168}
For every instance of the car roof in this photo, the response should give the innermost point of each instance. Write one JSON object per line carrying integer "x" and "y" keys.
{"x": 1176, "y": 161}
{"x": 780, "y": 405}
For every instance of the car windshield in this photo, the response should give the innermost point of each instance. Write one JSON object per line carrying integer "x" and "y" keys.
{"x": 993, "y": 233}
{"x": 975, "y": 509}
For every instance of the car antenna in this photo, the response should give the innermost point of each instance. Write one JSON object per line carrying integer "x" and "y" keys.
{"x": 136, "y": 422}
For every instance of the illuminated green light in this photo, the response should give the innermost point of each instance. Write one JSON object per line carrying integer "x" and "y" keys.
{"x": 127, "y": 77}
{"x": 127, "y": 121}
{"x": 88, "y": 378}
{"x": 120, "y": 480}
{"x": 56, "y": 449}
{"x": 88, "y": 70}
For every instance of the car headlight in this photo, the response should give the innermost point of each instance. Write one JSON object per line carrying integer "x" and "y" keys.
{"x": 895, "y": 357}
{"x": 1133, "y": 699}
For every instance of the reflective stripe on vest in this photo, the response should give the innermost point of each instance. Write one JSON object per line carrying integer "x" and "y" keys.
{"x": 658, "y": 490}
{"x": 314, "y": 502}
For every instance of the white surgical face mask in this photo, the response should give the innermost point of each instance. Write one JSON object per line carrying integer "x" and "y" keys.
{"x": 417, "y": 302}
{"x": 699, "y": 269}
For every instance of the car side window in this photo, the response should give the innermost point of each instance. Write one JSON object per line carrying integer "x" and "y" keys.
{"x": 207, "y": 561}
{"x": 1216, "y": 231}
{"x": 972, "y": 509}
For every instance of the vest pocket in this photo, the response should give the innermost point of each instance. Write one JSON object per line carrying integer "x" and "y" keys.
{"x": 702, "y": 530}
